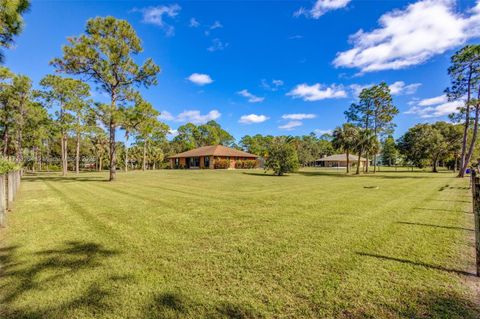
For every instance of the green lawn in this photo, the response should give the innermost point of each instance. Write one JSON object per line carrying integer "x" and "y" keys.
{"x": 239, "y": 244}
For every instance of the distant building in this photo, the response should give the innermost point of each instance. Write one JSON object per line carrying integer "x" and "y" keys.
{"x": 340, "y": 160}
{"x": 205, "y": 157}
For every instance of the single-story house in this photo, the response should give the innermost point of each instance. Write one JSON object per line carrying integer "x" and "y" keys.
{"x": 205, "y": 157}
{"x": 340, "y": 160}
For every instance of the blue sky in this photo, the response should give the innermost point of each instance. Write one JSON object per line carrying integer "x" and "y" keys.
{"x": 272, "y": 67}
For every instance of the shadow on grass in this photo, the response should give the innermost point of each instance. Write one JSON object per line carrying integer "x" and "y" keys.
{"x": 51, "y": 266}
{"x": 380, "y": 175}
{"x": 264, "y": 174}
{"x": 65, "y": 179}
{"x": 435, "y": 226}
{"x": 416, "y": 263}
{"x": 443, "y": 210}
{"x": 176, "y": 305}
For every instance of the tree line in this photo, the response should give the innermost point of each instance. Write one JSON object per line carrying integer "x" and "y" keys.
{"x": 59, "y": 119}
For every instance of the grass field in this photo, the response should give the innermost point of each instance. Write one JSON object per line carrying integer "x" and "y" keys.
{"x": 239, "y": 244}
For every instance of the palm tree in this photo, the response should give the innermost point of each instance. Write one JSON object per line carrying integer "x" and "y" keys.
{"x": 367, "y": 143}
{"x": 345, "y": 138}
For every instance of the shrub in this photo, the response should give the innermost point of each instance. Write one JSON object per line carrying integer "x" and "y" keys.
{"x": 221, "y": 164}
{"x": 246, "y": 164}
{"x": 7, "y": 166}
{"x": 282, "y": 157}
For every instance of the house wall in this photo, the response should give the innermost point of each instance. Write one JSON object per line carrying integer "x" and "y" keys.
{"x": 233, "y": 161}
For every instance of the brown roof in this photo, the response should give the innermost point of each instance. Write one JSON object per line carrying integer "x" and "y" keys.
{"x": 341, "y": 158}
{"x": 214, "y": 150}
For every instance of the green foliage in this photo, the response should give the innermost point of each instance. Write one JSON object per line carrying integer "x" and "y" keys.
{"x": 105, "y": 54}
{"x": 11, "y": 21}
{"x": 389, "y": 151}
{"x": 282, "y": 157}
{"x": 8, "y": 166}
{"x": 190, "y": 136}
{"x": 221, "y": 163}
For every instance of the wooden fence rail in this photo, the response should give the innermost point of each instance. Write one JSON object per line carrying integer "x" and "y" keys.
{"x": 475, "y": 183}
{"x": 9, "y": 185}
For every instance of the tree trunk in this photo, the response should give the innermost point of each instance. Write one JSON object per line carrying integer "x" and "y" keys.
{"x": 113, "y": 160}
{"x": 435, "y": 163}
{"x": 100, "y": 163}
{"x": 126, "y": 151}
{"x": 348, "y": 161}
{"x": 77, "y": 155}
{"x": 468, "y": 157}
{"x": 5, "y": 140}
{"x": 367, "y": 163}
{"x": 144, "y": 155}
{"x": 461, "y": 172}
{"x": 63, "y": 145}
{"x": 359, "y": 161}
{"x": 375, "y": 163}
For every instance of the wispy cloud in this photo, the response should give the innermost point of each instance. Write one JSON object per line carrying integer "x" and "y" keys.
{"x": 434, "y": 107}
{"x": 290, "y": 125}
{"x": 321, "y": 132}
{"x": 411, "y": 36}
{"x": 192, "y": 116}
{"x": 200, "y": 79}
{"x": 295, "y": 37}
{"x": 251, "y": 98}
{"x": 317, "y": 92}
{"x": 298, "y": 116}
{"x": 273, "y": 85}
{"x": 156, "y": 16}
{"x": 194, "y": 23}
{"x": 396, "y": 88}
{"x": 252, "y": 119}
{"x": 217, "y": 45}
{"x": 320, "y": 8}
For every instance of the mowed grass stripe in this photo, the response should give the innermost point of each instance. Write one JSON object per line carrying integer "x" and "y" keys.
{"x": 261, "y": 247}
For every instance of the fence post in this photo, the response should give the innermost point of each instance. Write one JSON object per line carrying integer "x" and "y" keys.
{"x": 9, "y": 190}
{"x": 3, "y": 202}
{"x": 476, "y": 216}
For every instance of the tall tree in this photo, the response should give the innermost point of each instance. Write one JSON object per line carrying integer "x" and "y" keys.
{"x": 105, "y": 55}
{"x": 11, "y": 21}
{"x": 69, "y": 97}
{"x": 346, "y": 138}
{"x": 464, "y": 74}
{"x": 374, "y": 112}
{"x": 389, "y": 151}
{"x": 132, "y": 119}
{"x": 282, "y": 157}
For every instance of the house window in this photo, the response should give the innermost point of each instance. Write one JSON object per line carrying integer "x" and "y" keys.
{"x": 206, "y": 161}
{"x": 177, "y": 162}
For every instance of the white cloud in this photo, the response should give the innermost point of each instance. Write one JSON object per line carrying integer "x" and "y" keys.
{"x": 322, "y": 132}
{"x": 295, "y": 37}
{"x": 217, "y": 45}
{"x": 195, "y": 117}
{"x": 411, "y": 36}
{"x": 396, "y": 88}
{"x": 400, "y": 88}
{"x": 156, "y": 15}
{"x": 200, "y": 79}
{"x": 252, "y": 118}
{"x": 290, "y": 125}
{"x": 216, "y": 25}
{"x": 251, "y": 98}
{"x": 298, "y": 116}
{"x": 317, "y": 92}
{"x": 435, "y": 107}
{"x": 273, "y": 86}
{"x": 433, "y": 101}
{"x": 194, "y": 23}
{"x": 321, "y": 7}
{"x": 172, "y": 133}
{"x": 166, "y": 116}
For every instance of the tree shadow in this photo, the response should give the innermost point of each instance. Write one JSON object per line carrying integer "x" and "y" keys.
{"x": 50, "y": 267}
{"x": 435, "y": 226}
{"x": 264, "y": 174}
{"x": 64, "y": 179}
{"x": 443, "y": 210}
{"x": 379, "y": 175}
{"x": 419, "y": 264}
{"x": 177, "y": 305}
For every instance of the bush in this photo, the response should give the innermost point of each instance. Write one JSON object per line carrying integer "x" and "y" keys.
{"x": 221, "y": 164}
{"x": 246, "y": 164}
{"x": 7, "y": 166}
